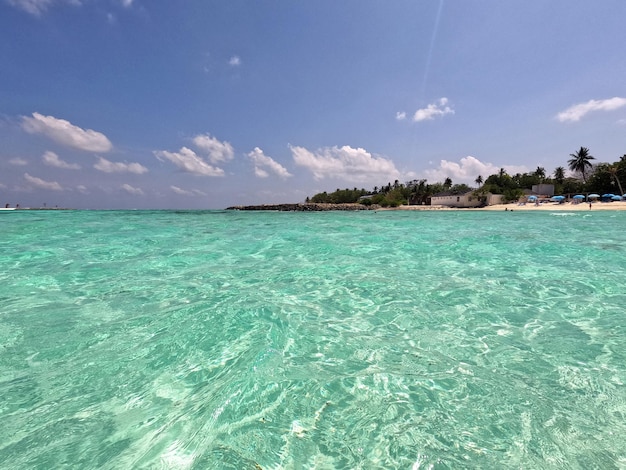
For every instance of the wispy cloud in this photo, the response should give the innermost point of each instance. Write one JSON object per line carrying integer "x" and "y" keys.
{"x": 345, "y": 163}
{"x": 117, "y": 167}
{"x": 400, "y": 115}
{"x": 18, "y": 161}
{"x": 131, "y": 190}
{"x": 217, "y": 151}
{"x": 65, "y": 133}
{"x": 578, "y": 111}
{"x": 437, "y": 109}
{"x": 187, "y": 192}
{"x": 234, "y": 61}
{"x": 467, "y": 170}
{"x": 52, "y": 159}
{"x": 42, "y": 184}
{"x": 37, "y": 7}
{"x": 264, "y": 164}
{"x": 187, "y": 160}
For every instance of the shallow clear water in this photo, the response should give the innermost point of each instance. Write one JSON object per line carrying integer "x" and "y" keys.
{"x": 312, "y": 340}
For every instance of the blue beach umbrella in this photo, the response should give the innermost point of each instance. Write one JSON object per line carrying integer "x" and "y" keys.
{"x": 608, "y": 195}
{"x": 557, "y": 198}
{"x": 616, "y": 198}
{"x": 532, "y": 198}
{"x": 579, "y": 196}
{"x": 592, "y": 196}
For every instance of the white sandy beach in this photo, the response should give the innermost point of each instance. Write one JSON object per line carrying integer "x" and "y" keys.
{"x": 552, "y": 206}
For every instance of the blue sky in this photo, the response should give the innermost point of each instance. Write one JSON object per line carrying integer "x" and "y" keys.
{"x": 199, "y": 104}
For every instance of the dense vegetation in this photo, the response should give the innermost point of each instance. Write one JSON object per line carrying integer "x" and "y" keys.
{"x": 584, "y": 177}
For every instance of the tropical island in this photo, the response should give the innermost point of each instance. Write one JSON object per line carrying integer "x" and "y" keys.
{"x": 586, "y": 181}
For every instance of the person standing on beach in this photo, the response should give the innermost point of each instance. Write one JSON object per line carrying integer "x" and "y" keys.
{"x": 589, "y": 205}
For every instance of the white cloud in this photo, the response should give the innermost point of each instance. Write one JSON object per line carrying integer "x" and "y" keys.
{"x": 18, "y": 161}
{"x": 130, "y": 190}
{"x": 65, "y": 133}
{"x": 578, "y": 111}
{"x": 345, "y": 163}
{"x": 127, "y": 3}
{"x": 185, "y": 192}
{"x": 41, "y": 184}
{"x": 117, "y": 167}
{"x": 264, "y": 164}
{"x": 439, "y": 108}
{"x": 400, "y": 115}
{"x": 52, "y": 159}
{"x": 37, "y": 7}
{"x": 178, "y": 190}
{"x": 234, "y": 61}
{"x": 218, "y": 151}
{"x": 82, "y": 189}
{"x": 467, "y": 170}
{"x": 187, "y": 160}
{"x": 260, "y": 172}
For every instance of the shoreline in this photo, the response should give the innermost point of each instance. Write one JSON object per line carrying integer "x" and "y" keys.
{"x": 551, "y": 207}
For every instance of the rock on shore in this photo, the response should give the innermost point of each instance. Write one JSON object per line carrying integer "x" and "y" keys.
{"x": 308, "y": 207}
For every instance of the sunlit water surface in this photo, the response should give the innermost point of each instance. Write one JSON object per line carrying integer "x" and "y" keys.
{"x": 193, "y": 340}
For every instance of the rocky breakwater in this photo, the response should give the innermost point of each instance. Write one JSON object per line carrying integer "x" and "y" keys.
{"x": 310, "y": 207}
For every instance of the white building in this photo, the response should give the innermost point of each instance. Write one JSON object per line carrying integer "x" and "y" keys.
{"x": 543, "y": 189}
{"x": 468, "y": 199}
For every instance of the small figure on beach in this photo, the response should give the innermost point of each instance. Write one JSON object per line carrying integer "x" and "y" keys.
{"x": 589, "y": 205}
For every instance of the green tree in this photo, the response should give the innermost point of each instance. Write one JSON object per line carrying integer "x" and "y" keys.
{"x": 540, "y": 173}
{"x": 581, "y": 162}
{"x": 613, "y": 171}
{"x": 448, "y": 183}
{"x": 559, "y": 174}
{"x": 479, "y": 180}
{"x": 460, "y": 189}
{"x": 600, "y": 181}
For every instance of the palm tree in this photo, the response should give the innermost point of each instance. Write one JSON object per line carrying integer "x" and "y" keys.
{"x": 613, "y": 172}
{"x": 448, "y": 183}
{"x": 559, "y": 174}
{"x": 540, "y": 173}
{"x": 479, "y": 180}
{"x": 580, "y": 161}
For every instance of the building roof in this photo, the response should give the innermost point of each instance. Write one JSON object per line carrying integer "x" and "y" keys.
{"x": 452, "y": 193}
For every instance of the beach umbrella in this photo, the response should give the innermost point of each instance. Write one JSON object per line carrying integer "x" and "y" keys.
{"x": 557, "y": 198}
{"x": 532, "y": 198}
{"x": 616, "y": 198}
{"x": 608, "y": 195}
{"x": 593, "y": 196}
{"x": 579, "y": 196}
{"x": 623, "y": 195}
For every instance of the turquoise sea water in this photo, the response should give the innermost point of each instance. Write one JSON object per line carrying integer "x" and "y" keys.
{"x": 248, "y": 340}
